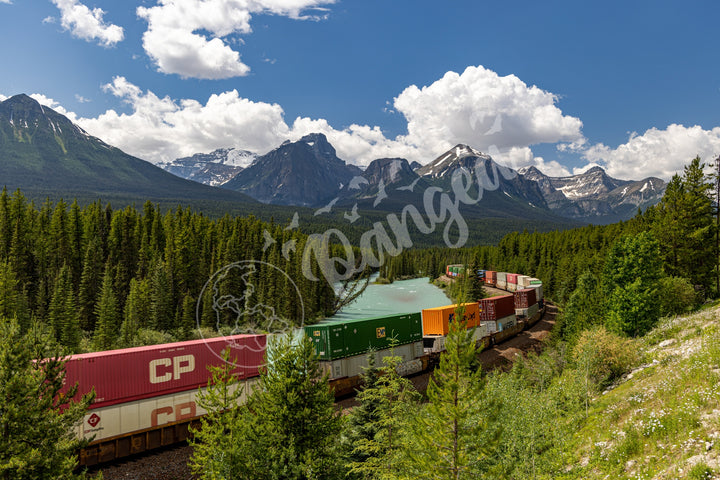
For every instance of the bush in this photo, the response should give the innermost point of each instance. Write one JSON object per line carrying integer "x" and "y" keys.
{"x": 676, "y": 296}
{"x": 603, "y": 356}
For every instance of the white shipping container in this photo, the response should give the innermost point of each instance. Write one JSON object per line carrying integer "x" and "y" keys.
{"x": 357, "y": 364}
{"x": 501, "y": 284}
{"x": 523, "y": 280}
{"x": 512, "y": 287}
{"x": 487, "y": 327}
{"x": 506, "y": 322}
{"x": 125, "y": 418}
{"x": 527, "y": 312}
{"x": 538, "y": 291}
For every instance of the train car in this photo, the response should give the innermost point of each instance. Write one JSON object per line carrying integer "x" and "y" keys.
{"x": 501, "y": 280}
{"x": 343, "y": 346}
{"x": 146, "y": 397}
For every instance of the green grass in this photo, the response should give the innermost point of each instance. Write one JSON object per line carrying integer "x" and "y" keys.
{"x": 663, "y": 422}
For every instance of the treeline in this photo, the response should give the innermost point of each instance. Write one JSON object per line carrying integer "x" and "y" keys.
{"x": 100, "y": 278}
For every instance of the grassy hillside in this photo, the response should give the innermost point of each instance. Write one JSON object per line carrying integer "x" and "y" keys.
{"x": 662, "y": 420}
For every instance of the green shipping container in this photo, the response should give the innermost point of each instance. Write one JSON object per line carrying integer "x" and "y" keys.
{"x": 329, "y": 340}
{"x": 335, "y": 340}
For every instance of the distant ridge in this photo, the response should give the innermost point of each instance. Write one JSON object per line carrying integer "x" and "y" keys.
{"x": 44, "y": 154}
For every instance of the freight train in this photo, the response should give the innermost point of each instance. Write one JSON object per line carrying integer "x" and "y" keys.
{"x": 153, "y": 401}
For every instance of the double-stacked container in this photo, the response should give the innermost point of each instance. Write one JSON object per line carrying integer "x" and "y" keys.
{"x": 436, "y": 321}
{"x": 526, "y": 303}
{"x": 343, "y": 346}
{"x": 501, "y": 280}
{"x": 497, "y": 313}
{"x": 512, "y": 282}
{"x": 490, "y": 277}
{"x": 523, "y": 281}
{"x": 339, "y": 339}
{"x": 146, "y": 387}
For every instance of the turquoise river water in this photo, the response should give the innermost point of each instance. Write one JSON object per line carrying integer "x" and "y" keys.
{"x": 404, "y": 296}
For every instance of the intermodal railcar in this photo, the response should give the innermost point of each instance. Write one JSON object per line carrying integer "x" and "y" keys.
{"x": 146, "y": 397}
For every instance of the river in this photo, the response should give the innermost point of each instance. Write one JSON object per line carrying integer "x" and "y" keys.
{"x": 402, "y": 296}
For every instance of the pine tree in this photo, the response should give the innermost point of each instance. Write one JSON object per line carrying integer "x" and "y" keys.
{"x": 218, "y": 443}
{"x": 444, "y": 441}
{"x": 37, "y": 438}
{"x": 108, "y": 315}
{"x": 633, "y": 270}
{"x": 374, "y": 427}
{"x": 63, "y": 313}
{"x": 294, "y": 428}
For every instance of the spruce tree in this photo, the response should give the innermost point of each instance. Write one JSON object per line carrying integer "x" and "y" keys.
{"x": 37, "y": 438}
{"x": 444, "y": 441}
{"x": 631, "y": 277}
{"x": 90, "y": 284}
{"x": 585, "y": 307}
{"x": 474, "y": 290}
{"x": 108, "y": 315}
{"x": 293, "y": 430}
{"x": 218, "y": 443}
{"x": 374, "y": 428}
{"x": 62, "y": 312}
{"x": 137, "y": 312}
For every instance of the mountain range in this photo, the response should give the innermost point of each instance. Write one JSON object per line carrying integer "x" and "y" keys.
{"x": 309, "y": 173}
{"x": 45, "y": 154}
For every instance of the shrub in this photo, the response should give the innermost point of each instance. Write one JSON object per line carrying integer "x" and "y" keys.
{"x": 676, "y": 296}
{"x": 603, "y": 356}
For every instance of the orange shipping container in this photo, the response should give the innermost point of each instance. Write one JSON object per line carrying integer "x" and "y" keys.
{"x": 436, "y": 321}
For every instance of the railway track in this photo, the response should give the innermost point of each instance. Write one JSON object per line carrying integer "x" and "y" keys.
{"x": 170, "y": 463}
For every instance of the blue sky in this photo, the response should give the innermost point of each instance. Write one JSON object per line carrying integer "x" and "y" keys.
{"x": 632, "y": 86}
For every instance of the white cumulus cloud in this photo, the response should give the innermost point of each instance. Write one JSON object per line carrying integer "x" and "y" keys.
{"x": 499, "y": 115}
{"x": 187, "y": 37}
{"x": 88, "y": 24}
{"x": 657, "y": 153}
{"x": 162, "y": 129}
{"x": 480, "y": 108}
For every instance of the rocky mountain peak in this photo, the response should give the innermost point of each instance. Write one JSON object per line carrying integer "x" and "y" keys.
{"x": 457, "y": 157}
{"x": 389, "y": 170}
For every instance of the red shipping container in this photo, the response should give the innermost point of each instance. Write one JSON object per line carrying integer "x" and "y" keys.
{"x": 497, "y": 307}
{"x": 490, "y": 277}
{"x": 130, "y": 374}
{"x": 512, "y": 278}
{"x": 525, "y": 298}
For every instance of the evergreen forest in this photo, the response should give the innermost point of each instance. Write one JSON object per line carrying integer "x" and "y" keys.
{"x": 76, "y": 277}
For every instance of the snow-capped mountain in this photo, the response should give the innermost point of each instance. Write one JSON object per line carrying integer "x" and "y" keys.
{"x": 457, "y": 157}
{"x": 465, "y": 157}
{"x": 215, "y": 168}
{"x": 594, "y": 195}
{"x": 46, "y": 155}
